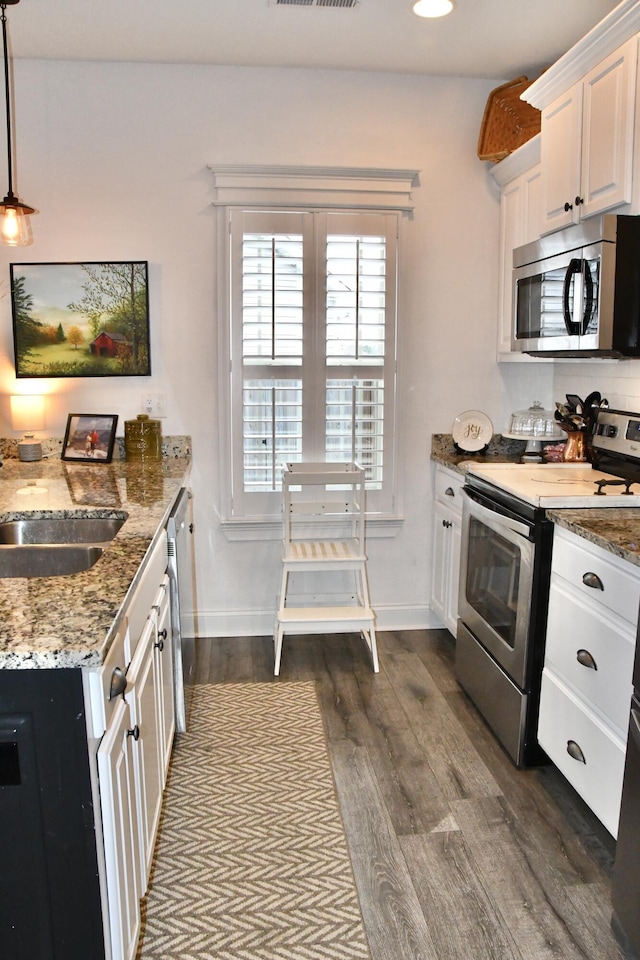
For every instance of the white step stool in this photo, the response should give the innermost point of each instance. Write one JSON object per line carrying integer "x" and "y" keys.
{"x": 323, "y": 532}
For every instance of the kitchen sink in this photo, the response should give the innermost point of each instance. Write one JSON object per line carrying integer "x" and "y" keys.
{"x": 54, "y": 546}
{"x": 47, "y": 560}
{"x": 59, "y": 530}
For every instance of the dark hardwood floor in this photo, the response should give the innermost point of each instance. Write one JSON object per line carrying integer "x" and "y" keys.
{"x": 457, "y": 855}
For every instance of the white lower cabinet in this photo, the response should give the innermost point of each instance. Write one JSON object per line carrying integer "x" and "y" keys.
{"x": 446, "y": 546}
{"x": 134, "y": 752}
{"x": 588, "y": 666}
{"x": 121, "y": 833}
{"x": 583, "y": 748}
{"x": 151, "y": 698}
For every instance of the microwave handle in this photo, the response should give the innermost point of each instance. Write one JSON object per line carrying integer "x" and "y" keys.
{"x": 574, "y": 268}
{"x": 589, "y": 303}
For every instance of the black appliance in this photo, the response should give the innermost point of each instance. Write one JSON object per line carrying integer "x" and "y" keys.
{"x": 576, "y": 292}
{"x": 626, "y": 876}
{"x": 505, "y": 570}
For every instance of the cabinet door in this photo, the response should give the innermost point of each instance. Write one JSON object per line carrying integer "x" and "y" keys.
{"x": 607, "y": 132}
{"x": 143, "y": 694}
{"x": 120, "y": 830}
{"x": 511, "y": 236}
{"x": 441, "y": 540}
{"x": 532, "y": 204}
{"x": 163, "y": 663}
{"x": 561, "y": 157}
{"x": 446, "y": 565}
{"x": 455, "y": 541}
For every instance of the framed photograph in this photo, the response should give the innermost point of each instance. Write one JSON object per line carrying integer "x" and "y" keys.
{"x": 81, "y": 319}
{"x": 89, "y": 437}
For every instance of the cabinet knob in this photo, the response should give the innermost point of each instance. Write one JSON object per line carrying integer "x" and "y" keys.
{"x": 578, "y": 201}
{"x": 162, "y": 636}
{"x": 449, "y": 492}
{"x": 135, "y": 733}
{"x": 447, "y": 523}
{"x": 573, "y": 749}
{"x": 568, "y": 206}
{"x": 585, "y": 658}
{"x": 592, "y": 580}
{"x": 118, "y": 684}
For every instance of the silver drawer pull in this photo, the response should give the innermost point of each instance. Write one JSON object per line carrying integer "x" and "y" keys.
{"x": 592, "y": 580}
{"x": 585, "y": 658}
{"x": 449, "y": 492}
{"x": 118, "y": 684}
{"x": 574, "y": 751}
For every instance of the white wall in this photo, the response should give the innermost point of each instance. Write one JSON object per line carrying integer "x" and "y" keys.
{"x": 115, "y": 158}
{"x": 617, "y": 380}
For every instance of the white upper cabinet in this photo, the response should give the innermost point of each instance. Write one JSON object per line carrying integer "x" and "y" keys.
{"x": 587, "y": 142}
{"x": 519, "y": 177}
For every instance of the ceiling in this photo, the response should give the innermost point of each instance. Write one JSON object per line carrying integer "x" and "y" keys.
{"x": 499, "y": 39}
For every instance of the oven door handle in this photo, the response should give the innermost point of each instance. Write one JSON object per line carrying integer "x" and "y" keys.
{"x": 495, "y": 516}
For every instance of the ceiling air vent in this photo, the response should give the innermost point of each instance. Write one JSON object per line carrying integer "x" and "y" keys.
{"x": 314, "y": 3}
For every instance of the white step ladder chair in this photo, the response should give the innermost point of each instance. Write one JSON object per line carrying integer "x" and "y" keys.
{"x": 324, "y": 533}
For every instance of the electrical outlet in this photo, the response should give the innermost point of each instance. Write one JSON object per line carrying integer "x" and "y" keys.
{"x": 154, "y": 404}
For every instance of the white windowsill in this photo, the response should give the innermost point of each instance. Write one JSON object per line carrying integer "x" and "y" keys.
{"x": 255, "y": 529}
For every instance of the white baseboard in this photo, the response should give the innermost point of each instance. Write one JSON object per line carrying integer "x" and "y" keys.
{"x": 260, "y": 623}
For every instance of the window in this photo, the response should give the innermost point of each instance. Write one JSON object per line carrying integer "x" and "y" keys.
{"x": 310, "y": 317}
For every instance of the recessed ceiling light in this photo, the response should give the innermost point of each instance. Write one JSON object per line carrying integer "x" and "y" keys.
{"x": 433, "y": 8}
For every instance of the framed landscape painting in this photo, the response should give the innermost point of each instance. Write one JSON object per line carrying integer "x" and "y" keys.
{"x": 81, "y": 319}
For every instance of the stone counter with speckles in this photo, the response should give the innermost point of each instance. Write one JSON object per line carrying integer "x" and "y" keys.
{"x": 615, "y": 529}
{"x": 499, "y": 450}
{"x": 69, "y": 621}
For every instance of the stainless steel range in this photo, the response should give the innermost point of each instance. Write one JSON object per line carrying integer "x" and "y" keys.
{"x": 505, "y": 568}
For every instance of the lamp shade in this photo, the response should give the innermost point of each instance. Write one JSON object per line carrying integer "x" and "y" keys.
{"x": 27, "y": 413}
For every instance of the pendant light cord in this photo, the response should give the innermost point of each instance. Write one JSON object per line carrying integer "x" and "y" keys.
{"x": 7, "y": 99}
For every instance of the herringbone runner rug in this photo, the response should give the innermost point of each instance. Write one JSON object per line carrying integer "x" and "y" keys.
{"x": 251, "y": 861}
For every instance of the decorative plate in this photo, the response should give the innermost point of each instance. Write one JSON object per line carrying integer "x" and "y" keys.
{"x": 472, "y": 430}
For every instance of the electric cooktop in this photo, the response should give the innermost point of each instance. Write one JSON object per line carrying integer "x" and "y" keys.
{"x": 612, "y": 480}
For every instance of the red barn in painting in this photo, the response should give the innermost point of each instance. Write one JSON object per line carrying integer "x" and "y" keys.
{"x": 107, "y": 344}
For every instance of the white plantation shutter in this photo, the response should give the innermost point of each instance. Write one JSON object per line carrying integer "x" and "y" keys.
{"x": 307, "y": 267}
{"x": 313, "y": 334}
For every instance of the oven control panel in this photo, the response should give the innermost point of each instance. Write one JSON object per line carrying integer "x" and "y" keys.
{"x": 618, "y": 432}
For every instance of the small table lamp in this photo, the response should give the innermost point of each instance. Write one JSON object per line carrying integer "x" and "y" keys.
{"x": 27, "y": 415}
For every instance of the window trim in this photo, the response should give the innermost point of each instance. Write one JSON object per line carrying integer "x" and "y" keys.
{"x": 246, "y": 186}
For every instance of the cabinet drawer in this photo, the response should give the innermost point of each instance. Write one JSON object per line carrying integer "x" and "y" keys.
{"x": 575, "y": 628}
{"x": 564, "y": 720}
{"x": 574, "y": 558}
{"x": 141, "y": 599}
{"x": 449, "y": 488}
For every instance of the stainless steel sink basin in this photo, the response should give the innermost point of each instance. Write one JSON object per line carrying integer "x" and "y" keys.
{"x": 59, "y": 530}
{"x": 47, "y": 560}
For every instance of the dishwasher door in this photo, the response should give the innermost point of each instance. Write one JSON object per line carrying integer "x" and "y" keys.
{"x": 181, "y": 576}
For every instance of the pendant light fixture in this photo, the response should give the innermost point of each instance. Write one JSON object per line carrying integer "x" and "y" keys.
{"x": 433, "y": 8}
{"x": 15, "y": 228}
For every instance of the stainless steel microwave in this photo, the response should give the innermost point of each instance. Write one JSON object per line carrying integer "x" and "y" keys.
{"x": 576, "y": 292}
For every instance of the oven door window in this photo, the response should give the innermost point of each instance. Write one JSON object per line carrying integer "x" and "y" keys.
{"x": 493, "y": 577}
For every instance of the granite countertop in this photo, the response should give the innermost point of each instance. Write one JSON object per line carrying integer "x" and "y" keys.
{"x": 615, "y": 529}
{"x": 69, "y": 621}
{"x": 499, "y": 450}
